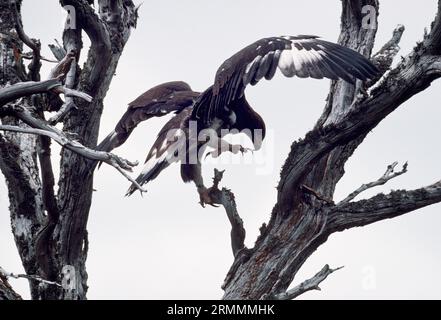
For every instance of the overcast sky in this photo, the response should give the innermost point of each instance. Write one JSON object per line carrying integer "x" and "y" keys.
{"x": 165, "y": 245}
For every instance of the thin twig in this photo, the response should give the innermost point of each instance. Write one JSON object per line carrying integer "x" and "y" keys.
{"x": 128, "y": 177}
{"x": 30, "y": 56}
{"x": 29, "y": 277}
{"x": 388, "y": 175}
{"x": 117, "y": 162}
{"x": 307, "y": 285}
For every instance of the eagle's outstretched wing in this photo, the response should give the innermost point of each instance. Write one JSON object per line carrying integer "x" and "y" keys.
{"x": 169, "y": 145}
{"x": 302, "y": 56}
{"x": 156, "y": 102}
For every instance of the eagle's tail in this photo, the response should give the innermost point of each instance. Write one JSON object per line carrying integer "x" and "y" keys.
{"x": 152, "y": 169}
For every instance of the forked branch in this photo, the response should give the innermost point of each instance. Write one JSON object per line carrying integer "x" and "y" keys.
{"x": 308, "y": 285}
{"x": 381, "y": 207}
{"x": 388, "y": 175}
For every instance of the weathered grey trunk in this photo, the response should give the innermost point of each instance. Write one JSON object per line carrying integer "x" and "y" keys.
{"x": 18, "y": 156}
{"x": 50, "y": 230}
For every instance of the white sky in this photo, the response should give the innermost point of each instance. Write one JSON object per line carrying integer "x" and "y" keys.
{"x": 165, "y": 245}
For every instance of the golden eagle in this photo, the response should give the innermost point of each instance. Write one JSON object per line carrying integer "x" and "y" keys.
{"x": 223, "y": 105}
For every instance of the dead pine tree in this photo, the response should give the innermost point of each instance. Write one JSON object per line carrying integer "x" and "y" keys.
{"x": 50, "y": 229}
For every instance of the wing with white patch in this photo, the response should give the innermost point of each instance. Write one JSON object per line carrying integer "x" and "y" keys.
{"x": 301, "y": 56}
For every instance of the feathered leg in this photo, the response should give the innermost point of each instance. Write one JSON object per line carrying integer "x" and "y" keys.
{"x": 192, "y": 172}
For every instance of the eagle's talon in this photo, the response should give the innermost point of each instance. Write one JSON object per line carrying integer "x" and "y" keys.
{"x": 205, "y": 198}
{"x": 244, "y": 150}
{"x": 213, "y": 154}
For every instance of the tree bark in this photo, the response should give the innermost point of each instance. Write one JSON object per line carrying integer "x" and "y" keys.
{"x": 50, "y": 230}
{"x": 303, "y": 217}
{"x": 6, "y": 291}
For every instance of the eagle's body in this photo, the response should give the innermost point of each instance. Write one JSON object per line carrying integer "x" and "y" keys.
{"x": 223, "y": 106}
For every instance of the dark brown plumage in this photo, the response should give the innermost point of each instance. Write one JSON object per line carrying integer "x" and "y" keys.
{"x": 156, "y": 102}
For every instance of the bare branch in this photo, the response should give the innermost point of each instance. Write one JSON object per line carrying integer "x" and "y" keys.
{"x": 57, "y": 50}
{"x": 91, "y": 23}
{"x": 99, "y": 35}
{"x": 384, "y": 58}
{"x": 433, "y": 40}
{"x": 50, "y": 244}
{"x": 381, "y": 207}
{"x": 30, "y": 56}
{"x": 308, "y": 285}
{"x": 29, "y": 277}
{"x": 225, "y": 198}
{"x": 73, "y": 93}
{"x": 22, "y": 89}
{"x": 128, "y": 177}
{"x": 413, "y": 75}
{"x": 117, "y": 162}
{"x": 69, "y": 103}
{"x": 6, "y": 291}
{"x": 73, "y": 45}
{"x": 67, "y": 106}
{"x": 31, "y": 43}
{"x": 297, "y": 227}
{"x": 388, "y": 175}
